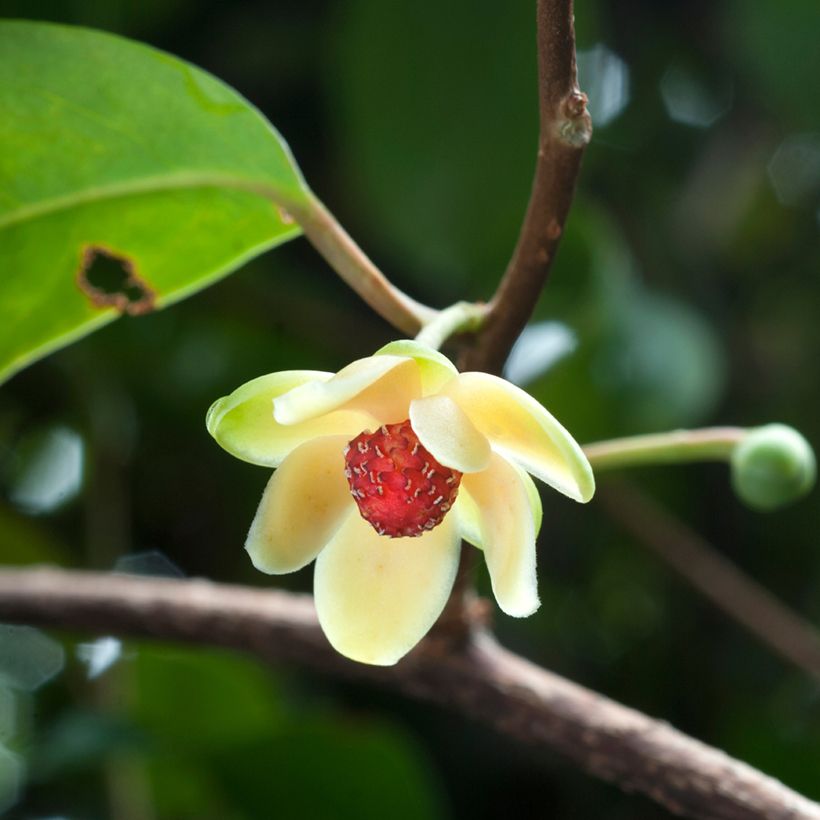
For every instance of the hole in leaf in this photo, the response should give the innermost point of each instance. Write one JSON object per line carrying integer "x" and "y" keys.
{"x": 111, "y": 280}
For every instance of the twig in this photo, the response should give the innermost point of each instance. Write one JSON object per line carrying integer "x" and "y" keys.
{"x": 357, "y": 270}
{"x": 675, "y": 447}
{"x": 715, "y": 577}
{"x": 478, "y": 678}
{"x": 462, "y": 317}
{"x": 565, "y": 130}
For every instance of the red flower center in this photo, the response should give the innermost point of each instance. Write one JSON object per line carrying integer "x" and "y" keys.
{"x": 399, "y": 488}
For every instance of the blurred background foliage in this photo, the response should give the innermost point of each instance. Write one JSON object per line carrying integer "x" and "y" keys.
{"x": 685, "y": 293}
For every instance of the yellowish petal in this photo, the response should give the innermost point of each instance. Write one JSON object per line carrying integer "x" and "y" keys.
{"x": 520, "y": 429}
{"x": 244, "y": 425}
{"x": 377, "y": 597}
{"x": 447, "y": 432}
{"x": 382, "y": 386}
{"x": 507, "y": 528}
{"x": 468, "y": 518}
{"x": 468, "y": 513}
{"x": 435, "y": 368}
{"x": 305, "y": 502}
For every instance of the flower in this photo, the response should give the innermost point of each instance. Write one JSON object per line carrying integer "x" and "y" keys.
{"x": 403, "y": 439}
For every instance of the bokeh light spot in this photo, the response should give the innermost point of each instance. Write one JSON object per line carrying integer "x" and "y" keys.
{"x": 99, "y": 655}
{"x": 604, "y": 76}
{"x": 689, "y": 102}
{"x": 28, "y": 657}
{"x": 794, "y": 169}
{"x": 537, "y": 349}
{"x": 52, "y": 474}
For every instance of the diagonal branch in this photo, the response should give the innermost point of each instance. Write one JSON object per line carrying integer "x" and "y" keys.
{"x": 565, "y": 130}
{"x": 714, "y": 576}
{"x": 476, "y": 677}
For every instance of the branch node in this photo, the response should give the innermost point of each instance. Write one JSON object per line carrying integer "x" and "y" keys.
{"x": 575, "y": 125}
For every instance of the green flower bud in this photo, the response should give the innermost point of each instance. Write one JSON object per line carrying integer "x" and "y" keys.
{"x": 773, "y": 466}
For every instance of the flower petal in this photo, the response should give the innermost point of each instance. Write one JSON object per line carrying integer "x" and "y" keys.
{"x": 508, "y": 529}
{"x": 244, "y": 425}
{"x": 519, "y": 428}
{"x": 382, "y": 386}
{"x": 435, "y": 368}
{"x": 377, "y": 597}
{"x": 304, "y": 504}
{"x": 446, "y": 431}
{"x": 468, "y": 516}
{"x": 468, "y": 513}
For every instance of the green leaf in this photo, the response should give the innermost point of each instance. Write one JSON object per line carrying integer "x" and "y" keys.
{"x": 128, "y": 180}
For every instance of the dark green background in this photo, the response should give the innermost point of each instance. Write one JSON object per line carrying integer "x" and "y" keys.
{"x": 692, "y": 287}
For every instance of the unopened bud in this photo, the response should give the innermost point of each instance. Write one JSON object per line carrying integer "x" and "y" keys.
{"x": 772, "y": 466}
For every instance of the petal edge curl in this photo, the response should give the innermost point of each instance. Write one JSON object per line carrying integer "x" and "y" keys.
{"x": 447, "y": 432}
{"x": 523, "y": 431}
{"x": 243, "y": 423}
{"x": 382, "y": 386}
{"x": 507, "y": 526}
{"x": 435, "y": 368}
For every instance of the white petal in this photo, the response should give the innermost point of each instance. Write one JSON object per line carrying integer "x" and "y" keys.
{"x": 377, "y": 597}
{"x": 508, "y": 528}
{"x": 435, "y": 368}
{"x": 447, "y": 432}
{"x": 305, "y": 502}
{"x": 244, "y": 425}
{"x": 520, "y": 429}
{"x": 382, "y": 386}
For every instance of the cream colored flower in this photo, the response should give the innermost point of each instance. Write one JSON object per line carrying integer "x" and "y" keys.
{"x": 377, "y": 596}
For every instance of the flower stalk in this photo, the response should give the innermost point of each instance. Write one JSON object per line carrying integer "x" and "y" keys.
{"x": 675, "y": 447}
{"x": 771, "y": 466}
{"x": 357, "y": 270}
{"x": 462, "y": 317}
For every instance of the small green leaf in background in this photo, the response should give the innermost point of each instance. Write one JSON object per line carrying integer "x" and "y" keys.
{"x": 115, "y": 155}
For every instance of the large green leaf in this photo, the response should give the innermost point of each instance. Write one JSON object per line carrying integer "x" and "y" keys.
{"x": 111, "y": 150}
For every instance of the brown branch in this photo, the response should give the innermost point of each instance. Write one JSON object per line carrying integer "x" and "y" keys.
{"x": 715, "y": 577}
{"x": 565, "y": 130}
{"x": 478, "y": 678}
